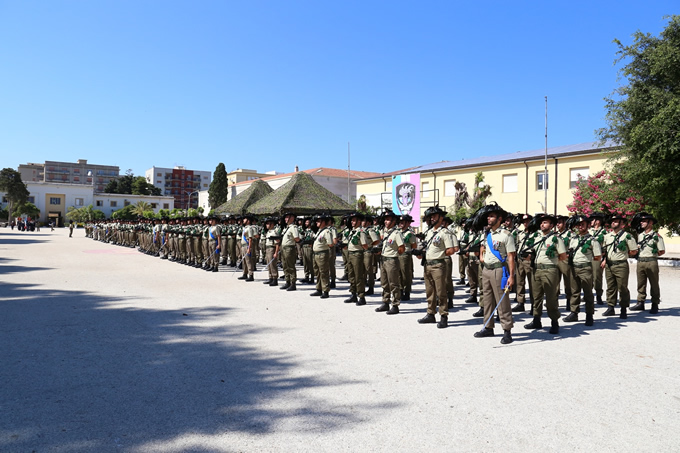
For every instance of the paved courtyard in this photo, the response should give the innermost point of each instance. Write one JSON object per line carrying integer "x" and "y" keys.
{"x": 108, "y": 349}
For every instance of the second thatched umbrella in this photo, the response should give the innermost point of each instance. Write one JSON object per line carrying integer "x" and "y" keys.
{"x": 240, "y": 203}
{"x": 301, "y": 195}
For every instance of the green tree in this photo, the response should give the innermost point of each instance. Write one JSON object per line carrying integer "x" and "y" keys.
{"x": 125, "y": 214}
{"x": 643, "y": 116}
{"x": 111, "y": 186}
{"x": 29, "y": 209}
{"x": 218, "y": 190}
{"x": 14, "y": 188}
{"x": 141, "y": 207}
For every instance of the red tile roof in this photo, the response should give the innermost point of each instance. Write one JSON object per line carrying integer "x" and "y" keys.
{"x": 320, "y": 171}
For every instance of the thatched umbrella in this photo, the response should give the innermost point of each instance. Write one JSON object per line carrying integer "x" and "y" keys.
{"x": 240, "y": 203}
{"x": 301, "y": 195}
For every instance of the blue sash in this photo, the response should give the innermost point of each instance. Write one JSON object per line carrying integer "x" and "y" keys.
{"x": 497, "y": 254}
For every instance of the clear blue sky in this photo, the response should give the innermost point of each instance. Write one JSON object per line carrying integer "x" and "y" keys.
{"x": 268, "y": 85}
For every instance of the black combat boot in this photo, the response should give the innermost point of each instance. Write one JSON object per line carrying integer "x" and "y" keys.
{"x": 427, "y": 319}
{"x": 655, "y": 308}
{"x": 332, "y": 284}
{"x": 406, "y": 296}
{"x": 485, "y": 332}
{"x": 624, "y": 313}
{"x": 250, "y": 278}
{"x": 589, "y": 320}
{"x": 370, "y": 292}
{"x": 286, "y": 286}
{"x": 274, "y": 282}
{"x": 471, "y": 300}
{"x": 449, "y": 305}
{"x": 316, "y": 293}
{"x": 393, "y": 310}
{"x": 362, "y": 301}
{"x": 519, "y": 308}
{"x": 460, "y": 282}
{"x": 609, "y": 312}
{"x": 384, "y": 307}
{"x": 479, "y": 313}
{"x": 554, "y": 327}
{"x": 325, "y": 295}
{"x": 535, "y": 324}
{"x": 640, "y": 306}
{"x": 571, "y": 317}
{"x": 507, "y": 337}
{"x": 599, "y": 299}
{"x": 242, "y": 277}
{"x": 353, "y": 298}
{"x": 267, "y": 282}
{"x": 291, "y": 287}
{"x": 443, "y": 322}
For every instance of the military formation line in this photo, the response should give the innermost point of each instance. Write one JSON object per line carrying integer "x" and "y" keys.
{"x": 497, "y": 252}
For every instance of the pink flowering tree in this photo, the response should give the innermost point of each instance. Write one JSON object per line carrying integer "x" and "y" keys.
{"x": 604, "y": 192}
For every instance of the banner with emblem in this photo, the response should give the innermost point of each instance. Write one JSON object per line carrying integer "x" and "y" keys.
{"x": 406, "y": 196}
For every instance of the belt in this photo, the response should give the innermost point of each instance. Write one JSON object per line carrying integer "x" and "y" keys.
{"x": 493, "y": 265}
{"x": 390, "y": 257}
{"x": 546, "y": 266}
{"x": 433, "y": 262}
{"x": 576, "y": 265}
{"x": 323, "y": 252}
{"x": 288, "y": 246}
{"x": 356, "y": 252}
{"x": 647, "y": 259}
{"x": 613, "y": 263}
{"x": 271, "y": 246}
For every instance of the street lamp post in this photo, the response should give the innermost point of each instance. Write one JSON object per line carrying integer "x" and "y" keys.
{"x": 188, "y": 206}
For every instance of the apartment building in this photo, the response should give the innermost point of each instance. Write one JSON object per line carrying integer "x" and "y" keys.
{"x": 80, "y": 172}
{"x": 180, "y": 183}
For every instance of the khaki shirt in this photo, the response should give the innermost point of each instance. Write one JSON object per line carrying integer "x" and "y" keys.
{"x": 549, "y": 250}
{"x": 410, "y": 240}
{"x": 437, "y": 241}
{"x": 503, "y": 242}
{"x": 588, "y": 243}
{"x": 290, "y": 233}
{"x": 617, "y": 245}
{"x": 269, "y": 240}
{"x": 392, "y": 240}
{"x": 214, "y": 232}
{"x": 322, "y": 240}
{"x": 356, "y": 239}
{"x": 652, "y": 246}
{"x": 247, "y": 235}
{"x": 372, "y": 235}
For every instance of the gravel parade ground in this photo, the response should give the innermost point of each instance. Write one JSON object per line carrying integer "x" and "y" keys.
{"x": 106, "y": 349}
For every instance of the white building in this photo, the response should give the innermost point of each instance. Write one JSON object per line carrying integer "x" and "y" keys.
{"x": 54, "y": 199}
{"x": 181, "y": 184}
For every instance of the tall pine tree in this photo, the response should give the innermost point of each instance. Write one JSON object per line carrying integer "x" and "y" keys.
{"x": 218, "y": 191}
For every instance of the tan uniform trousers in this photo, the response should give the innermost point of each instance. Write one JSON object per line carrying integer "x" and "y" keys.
{"x": 493, "y": 296}
{"x": 597, "y": 277}
{"x": 435, "y": 288}
{"x": 473, "y": 272}
{"x": 369, "y": 261}
{"x": 231, "y": 247}
{"x": 462, "y": 264}
{"x": 356, "y": 273}
{"x": 449, "y": 276}
{"x": 322, "y": 271}
{"x": 191, "y": 250}
{"x": 224, "y": 253}
{"x": 198, "y": 249}
{"x": 248, "y": 261}
{"x": 331, "y": 263}
{"x": 272, "y": 265}
{"x": 214, "y": 260}
{"x": 648, "y": 271}
{"x": 582, "y": 281}
{"x": 206, "y": 250}
{"x": 288, "y": 256}
{"x": 545, "y": 284}
{"x": 523, "y": 274}
{"x": 390, "y": 280}
{"x": 308, "y": 260}
{"x": 406, "y": 271}
{"x": 565, "y": 274}
{"x": 617, "y": 284}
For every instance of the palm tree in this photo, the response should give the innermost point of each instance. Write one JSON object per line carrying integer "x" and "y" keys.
{"x": 141, "y": 207}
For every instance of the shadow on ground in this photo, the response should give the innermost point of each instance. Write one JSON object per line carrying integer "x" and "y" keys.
{"x": 80, "y": 373}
